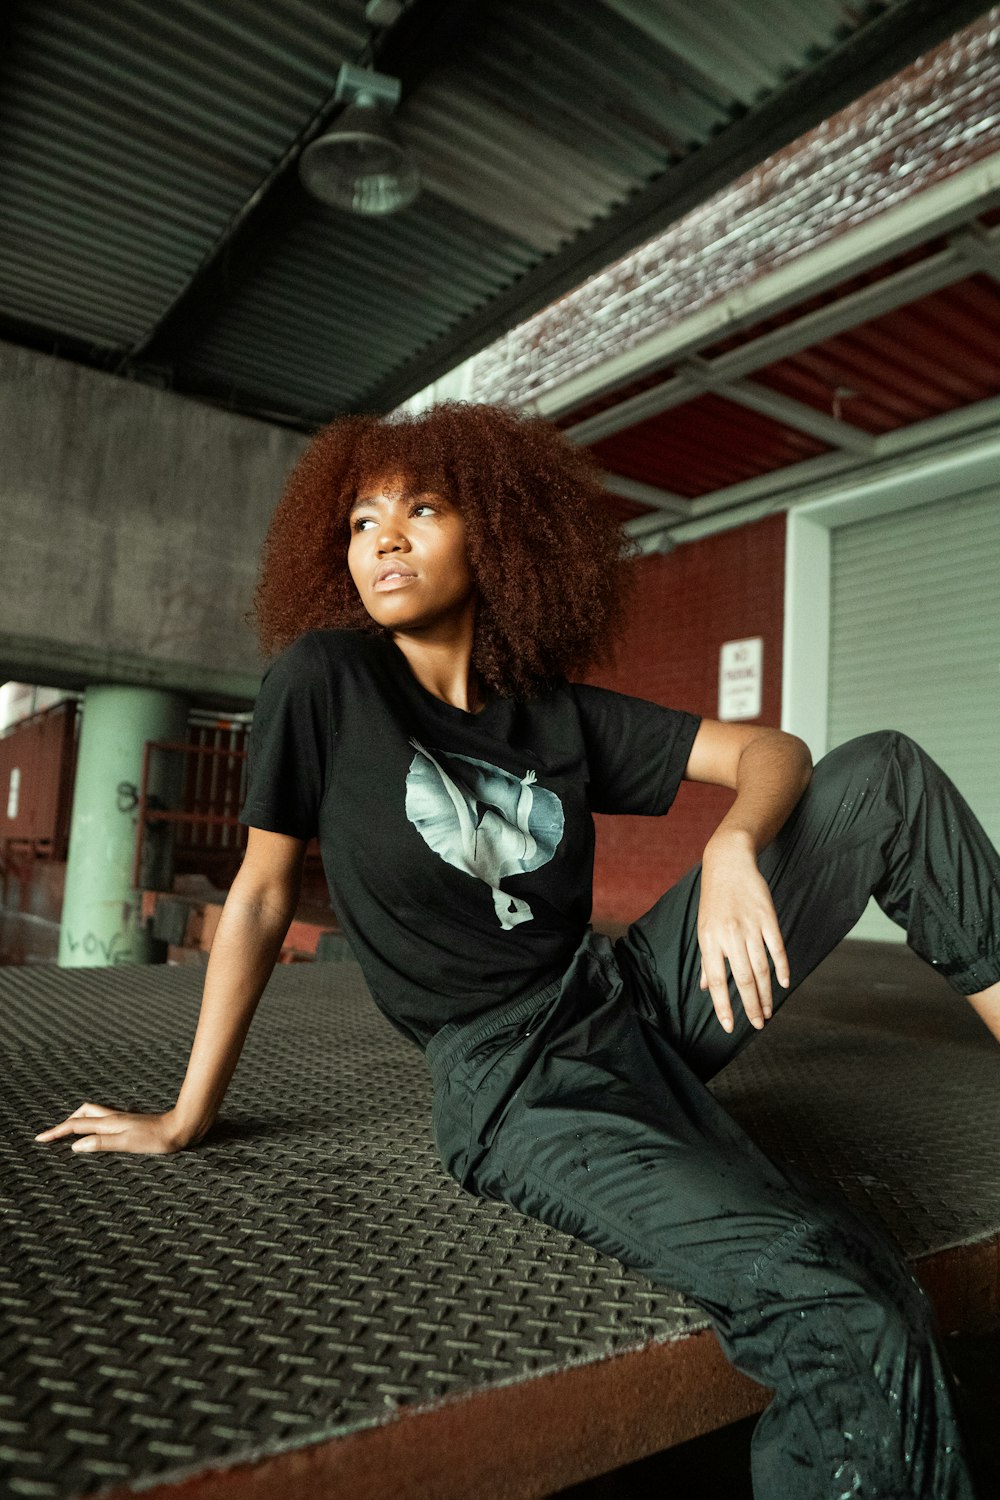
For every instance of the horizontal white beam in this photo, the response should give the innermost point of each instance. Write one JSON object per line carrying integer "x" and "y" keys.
{"x": 968, "y": 435}
{"x": 861, "y": 306}
{"x": 933, "y": 211}
{"x": 673, "y": 391}
{"x": 782, "y": 408}
{"x": 947, "y": 424}
{"x": 647, "y": 494}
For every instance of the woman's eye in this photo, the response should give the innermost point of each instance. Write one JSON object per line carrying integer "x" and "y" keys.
{"x": 423, "y": 505}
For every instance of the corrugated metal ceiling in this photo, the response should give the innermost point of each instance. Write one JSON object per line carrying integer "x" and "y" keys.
{"x": 134, "y": 136}
{"x": 326, "y": 313}
{"x": 152, "y": 219}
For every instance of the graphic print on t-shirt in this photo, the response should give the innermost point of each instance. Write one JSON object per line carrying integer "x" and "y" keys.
{"x": 484, "y": 821}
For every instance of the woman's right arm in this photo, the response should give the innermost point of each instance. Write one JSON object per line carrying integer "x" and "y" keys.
{"x": 258, "y": 911}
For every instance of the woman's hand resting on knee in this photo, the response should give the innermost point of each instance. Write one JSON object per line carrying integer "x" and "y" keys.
{"x": 737, "y": 921}
{"x": 103, "y": 1129}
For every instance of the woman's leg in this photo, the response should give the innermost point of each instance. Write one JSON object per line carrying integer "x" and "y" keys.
{"x": 588, "y": 1119}
{"x": 879, "y": 817}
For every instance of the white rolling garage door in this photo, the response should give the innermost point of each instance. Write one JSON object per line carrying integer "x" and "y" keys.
{"x": 915, "y": 645}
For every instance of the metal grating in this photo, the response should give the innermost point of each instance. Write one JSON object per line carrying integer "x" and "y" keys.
{"x": 309, "y": 1268}
{"x": 300, "y": 1274}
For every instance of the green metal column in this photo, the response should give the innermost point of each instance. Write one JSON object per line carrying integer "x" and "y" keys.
{"x": 101, "y": 918}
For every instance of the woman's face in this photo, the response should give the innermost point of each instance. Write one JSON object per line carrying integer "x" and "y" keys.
{"x": 424, "y": 536}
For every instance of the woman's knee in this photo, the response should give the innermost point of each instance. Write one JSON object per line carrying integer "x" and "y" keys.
{"x": 875, "y": 747}
{"x": 829, "y": 1255}
{"x": 863, "y": 760}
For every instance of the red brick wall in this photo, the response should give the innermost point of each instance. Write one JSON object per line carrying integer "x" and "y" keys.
{"x": 690, "y": 601}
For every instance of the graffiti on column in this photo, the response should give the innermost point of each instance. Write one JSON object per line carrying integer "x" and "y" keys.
{"x": 109, "y": 949}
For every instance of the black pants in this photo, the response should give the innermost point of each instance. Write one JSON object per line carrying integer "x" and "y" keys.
{"x": 585, "y": 1106}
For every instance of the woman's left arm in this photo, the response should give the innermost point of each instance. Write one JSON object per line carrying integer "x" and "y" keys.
{"x": 769, "y": 771}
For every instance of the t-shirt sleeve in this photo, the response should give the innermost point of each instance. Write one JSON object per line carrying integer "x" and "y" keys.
{"x": 287, "y": 747}
{"x": 637, "y": 750}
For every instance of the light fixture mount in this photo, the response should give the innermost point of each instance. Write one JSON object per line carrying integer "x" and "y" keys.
{"x": 364, "y": 86}
{"x": 360, "y": 164}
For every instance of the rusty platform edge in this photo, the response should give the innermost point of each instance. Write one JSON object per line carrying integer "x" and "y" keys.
{"x": 496, "y": 1442}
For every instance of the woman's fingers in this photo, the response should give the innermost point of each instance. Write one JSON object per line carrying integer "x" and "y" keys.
{"x": 757, "y": 956}
{"x": 71, "y": 1127}
{"x": 747, "y": 975}
{"x": 773, "y": 939}
{"x": 99, "y": 1137}
{"x": 102, "y": 1129}
{"x": 750, "y": 969}
{"x": 65, "y": 1127}
{"x": 713, "y": 962}
{"x": 96, "y": 1132}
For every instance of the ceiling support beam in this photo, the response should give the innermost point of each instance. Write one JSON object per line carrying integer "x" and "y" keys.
{"x": 781, "y": 408}
{"x": 972, "y": 247}
{"x": 979, "y": 248}
{"x": 736, "y": 504}
{"x": 663, "y": 501}
{"x": 869, "y": 56}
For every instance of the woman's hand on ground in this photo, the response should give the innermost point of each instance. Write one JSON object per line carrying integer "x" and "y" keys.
{"x": 737, "y": 920}
{"x": 98, "y": 1128}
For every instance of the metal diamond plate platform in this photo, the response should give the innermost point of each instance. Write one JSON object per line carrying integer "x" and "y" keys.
{"x": 308, "y": 1270}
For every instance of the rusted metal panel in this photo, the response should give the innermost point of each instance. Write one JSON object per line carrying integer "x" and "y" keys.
{"x": 37, "y": 762}
{"x": 935, "y": 355}
{"x": 705, "y": 444}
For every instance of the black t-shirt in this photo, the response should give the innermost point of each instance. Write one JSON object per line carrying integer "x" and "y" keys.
{"x": 458, "y": 847}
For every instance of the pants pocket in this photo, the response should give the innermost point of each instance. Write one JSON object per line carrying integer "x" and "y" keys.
{"x": 471, "y": 1101}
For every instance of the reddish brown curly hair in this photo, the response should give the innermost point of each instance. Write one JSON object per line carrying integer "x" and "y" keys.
{"x": 550, "y": 561}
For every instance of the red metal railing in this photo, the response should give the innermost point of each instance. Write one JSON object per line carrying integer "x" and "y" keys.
{"x": 212, "y": 795}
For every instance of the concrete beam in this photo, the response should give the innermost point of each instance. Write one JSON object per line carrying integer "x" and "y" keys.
{"x": 61, "y": 664}
{"x": 131, "y": 523}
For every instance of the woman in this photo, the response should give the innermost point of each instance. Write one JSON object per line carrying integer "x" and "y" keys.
{"x": 432, "y": 584}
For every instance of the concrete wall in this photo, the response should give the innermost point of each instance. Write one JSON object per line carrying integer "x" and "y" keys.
{"x": 722, "y": 588}
{"x": 130, "y": 526}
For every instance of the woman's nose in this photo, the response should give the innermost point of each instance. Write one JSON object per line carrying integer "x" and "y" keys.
{"x": 390, "y": 537}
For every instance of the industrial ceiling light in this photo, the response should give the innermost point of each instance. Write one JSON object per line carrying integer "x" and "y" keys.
{"x": 360, "y": 164}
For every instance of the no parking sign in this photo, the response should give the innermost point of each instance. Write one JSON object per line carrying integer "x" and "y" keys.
{"x": 741, "y": 670}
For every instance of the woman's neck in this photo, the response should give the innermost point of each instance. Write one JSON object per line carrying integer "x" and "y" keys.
{"x": 445, "y": 669}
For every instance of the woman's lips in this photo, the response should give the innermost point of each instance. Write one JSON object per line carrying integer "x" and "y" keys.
{"x": 385, "y": 584}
